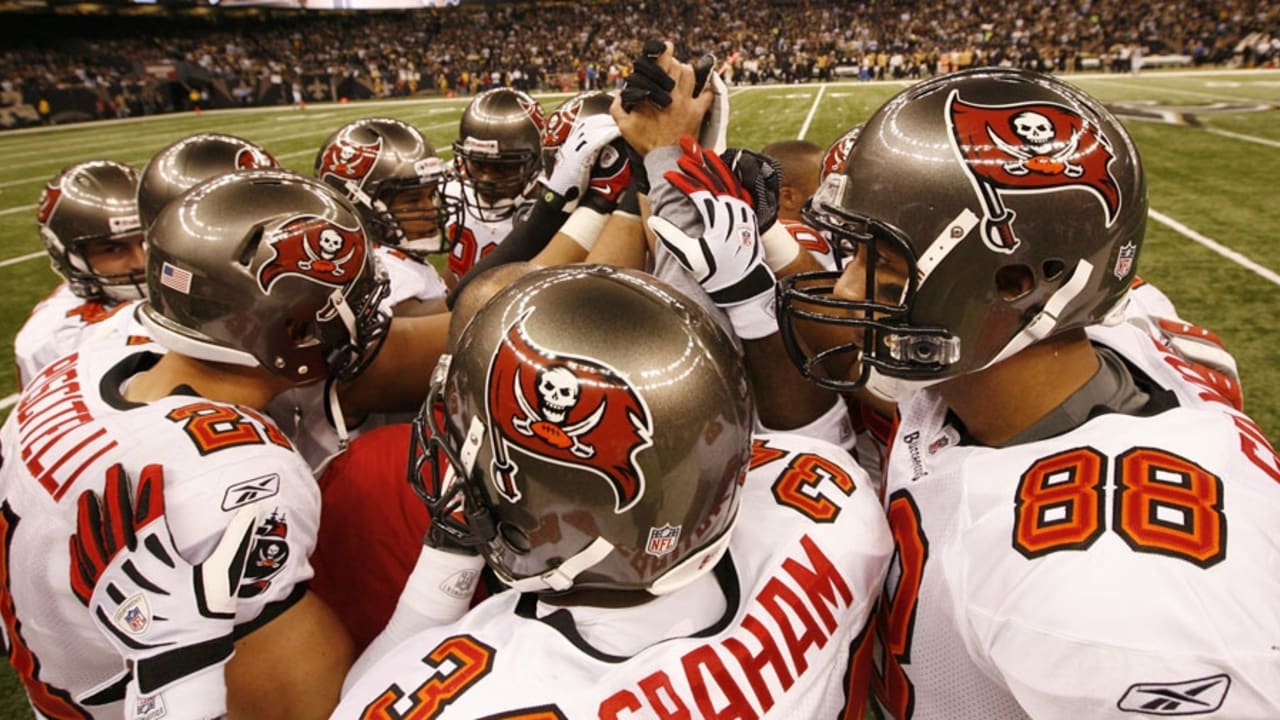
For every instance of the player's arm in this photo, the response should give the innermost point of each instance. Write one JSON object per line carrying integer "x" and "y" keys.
{"x": 398, "y": 378}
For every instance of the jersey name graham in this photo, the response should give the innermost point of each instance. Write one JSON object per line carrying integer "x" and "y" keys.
{"x": 802, "y": 570}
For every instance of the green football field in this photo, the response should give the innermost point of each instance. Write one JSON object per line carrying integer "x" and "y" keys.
{"x": 1210, "y": 140}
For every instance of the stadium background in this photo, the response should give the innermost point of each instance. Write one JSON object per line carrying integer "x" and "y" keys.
{"x": 1210, "y": 140}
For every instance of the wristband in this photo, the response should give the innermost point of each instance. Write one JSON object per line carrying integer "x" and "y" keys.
{"x": 584, "y": 227}
{"x": 780, "y": 247}
{"x": 753, "y": 319}
{"x": 441, "y": 585}
{"x": 202, "y": 696}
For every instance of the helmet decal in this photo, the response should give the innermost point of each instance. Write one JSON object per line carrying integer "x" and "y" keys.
{"x": 566, "y": 409}
{"x": 833, "y": 161}
{"x": 249, "y": 158}
{"x": 315, "y": 248}
{"x": 560, "y": 123}
{"x": 49, "y": 200}
{"x": 1029, "y": 147}
{"x": 532, "y": 109}
{"x": 350, "y": 160}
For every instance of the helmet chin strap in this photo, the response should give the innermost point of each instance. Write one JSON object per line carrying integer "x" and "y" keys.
{"x": 1046, "y": 321}
{"x": 561, "y": 578}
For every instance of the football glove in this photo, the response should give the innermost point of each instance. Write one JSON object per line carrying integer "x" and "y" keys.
{"x": 726, "y": 258}
{"x": 171, "y": 620}
{"x": 572, "y": 173}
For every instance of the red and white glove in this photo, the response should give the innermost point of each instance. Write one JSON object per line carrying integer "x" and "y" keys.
{"x": 169, "y": 619}
{"x": 727, "y": 258}
{"x": 575, "y": 158}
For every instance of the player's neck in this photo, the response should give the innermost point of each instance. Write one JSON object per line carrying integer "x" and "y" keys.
{"x": 252, "y": 387}
{"x": 1000, "y": 402}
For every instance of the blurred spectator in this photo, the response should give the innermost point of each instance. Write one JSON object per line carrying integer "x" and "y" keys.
{"x": 133, "y": 63}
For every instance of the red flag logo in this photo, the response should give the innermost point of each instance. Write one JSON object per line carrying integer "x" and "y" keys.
{"x": 1029, "y": 148}
{"x": 533, "y": 110}
{"x": 315, "y": 248}
{"x": 49, "y": 200}
{"x": 251, "y": 158}
{"x": 837, "y": 155}
{"x": 350, "y": 160}
{"x": 560, "y": 123}
{"x": 570, "y": 410}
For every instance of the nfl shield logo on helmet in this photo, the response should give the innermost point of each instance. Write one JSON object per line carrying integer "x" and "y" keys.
{"x": 662, "y": 540}
{"x": 1124, "y": 261}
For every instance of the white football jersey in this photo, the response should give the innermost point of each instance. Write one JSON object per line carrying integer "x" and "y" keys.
{"x": 806, "y": 559}
{"x": 1127, "y": 568}
{"x": 55, "y": 327}
{"x": 69, "y": 426}
{"x": 408, "y": 278}
{"x": 472, "y": 236}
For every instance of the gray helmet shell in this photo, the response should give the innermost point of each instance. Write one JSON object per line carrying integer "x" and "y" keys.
{"x": 95, "y": 200}
{"x": 616, "y": 424}
{"x": 265, "y": 268}
{"x": 189, "y": 162}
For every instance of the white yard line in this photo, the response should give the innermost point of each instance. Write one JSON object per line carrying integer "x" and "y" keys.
{"x": 1246, "y": 138}
{"x": 813, "y": 110}
{"x": 18, "y": 209}
{"x": 1215, "y": 246}
{"x": 22, "y": 258}
{"x": 9, "y": 401}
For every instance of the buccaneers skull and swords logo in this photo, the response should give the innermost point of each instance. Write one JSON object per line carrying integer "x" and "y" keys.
{"x": 1029, "y": 148}
{"x": 567, "y": 409}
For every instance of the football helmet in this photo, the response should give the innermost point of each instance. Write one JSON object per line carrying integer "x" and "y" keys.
{"x": 560, "y": 122}
{"x": 266, "y": 268}
{"x": 498, "y": 151}
{"x": 86, "y": 202}
{"x": 376, "y": 163}
{"x": 600, "y": 426}
{"x": 190, "y": 161}
{"x": 1011, "y": 206}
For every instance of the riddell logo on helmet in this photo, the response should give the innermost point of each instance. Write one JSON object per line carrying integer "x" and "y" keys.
{"x": 48, "y": 201}
{"x": 1029, "y": 148}
{"x": 569, "y": 410}
{"x": 349, "y": 160}
{"x": 314, "y": 248}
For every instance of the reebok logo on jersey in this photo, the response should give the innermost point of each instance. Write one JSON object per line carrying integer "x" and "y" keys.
{"x": 250, "y": 491}
{"x": 1190, "y": 697}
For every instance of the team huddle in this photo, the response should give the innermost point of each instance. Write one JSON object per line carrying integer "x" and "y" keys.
{"x": 677, "y": 430}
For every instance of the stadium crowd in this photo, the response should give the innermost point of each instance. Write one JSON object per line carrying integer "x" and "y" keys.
{"x": 604, "y": 418}
{"x": 144, "y": 64}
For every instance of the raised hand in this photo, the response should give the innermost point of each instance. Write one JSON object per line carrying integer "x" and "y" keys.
{"x": 725, "y": 256}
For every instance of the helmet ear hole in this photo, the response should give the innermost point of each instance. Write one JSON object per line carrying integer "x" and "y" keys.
{"x": 1014, "y": 282}
{"x": 515, "y": 538}
{"x": 1053, "y": 269}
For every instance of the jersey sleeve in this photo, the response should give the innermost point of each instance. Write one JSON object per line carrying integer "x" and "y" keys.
{"x": 280, "y": 483}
